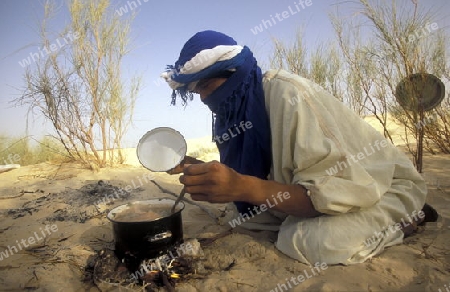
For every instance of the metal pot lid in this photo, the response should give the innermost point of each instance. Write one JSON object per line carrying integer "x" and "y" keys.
{"x": 420, "y": 89}
{"x": 161, "y": 149}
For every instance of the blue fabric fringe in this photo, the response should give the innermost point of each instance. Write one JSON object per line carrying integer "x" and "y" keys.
{"x": 240, "y": 98}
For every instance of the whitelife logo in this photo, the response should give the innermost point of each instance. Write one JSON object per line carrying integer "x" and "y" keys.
{"x": 415, "y": 36}
{"x": 359, "y": 156}
{"x": 423, "y": 32}
{"x": 161, "y": 261}
{"x": 10, "y": 250}
{"x": 447, "y": 288}
{"x": 265, "y": 24}
{"x": 131, "y": 5}
{"x": 119, "y": 192}
{"x": 259, "y": 209}
{"x": 395, "y": 227}
{"x": 233, "y": 132}
{"x": 51, "y": 48}
{"x": 300, "y": 278}
{"x": 12, "y": 159}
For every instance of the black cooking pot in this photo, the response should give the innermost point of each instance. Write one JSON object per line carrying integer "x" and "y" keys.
{"x": 147, "y": 239}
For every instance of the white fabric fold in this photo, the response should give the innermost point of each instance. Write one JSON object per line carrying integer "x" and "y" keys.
{"x": 360, "y": 186}
{"x": 201, "y": 61}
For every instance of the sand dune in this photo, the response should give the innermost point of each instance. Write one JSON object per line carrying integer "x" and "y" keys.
{"x": 65, "y": 200}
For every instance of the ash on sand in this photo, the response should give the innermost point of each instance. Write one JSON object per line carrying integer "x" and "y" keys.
{"x": 109, "y": 273}
{"x": 89, "y": 201}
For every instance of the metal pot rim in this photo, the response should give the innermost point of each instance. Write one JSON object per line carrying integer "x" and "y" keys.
{"x": 117, "y": 210}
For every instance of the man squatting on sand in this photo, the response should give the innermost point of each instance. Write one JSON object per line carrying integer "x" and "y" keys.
{"x": 288, "y": 148}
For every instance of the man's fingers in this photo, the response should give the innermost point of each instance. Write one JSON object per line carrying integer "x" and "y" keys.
{"x": 176, "y": 170}
{"x": 195, "y": 169}
{"x": 199, "y": 189}
{"x": 197, "y": 180}
{"x": 192, "y": 160}
{"x": 202, "y": 181}
{"x": 183, "y": 164}
{"x": 199, "y": 197}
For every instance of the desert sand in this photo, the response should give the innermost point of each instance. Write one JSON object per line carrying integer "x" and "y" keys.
{"x": 53, "y": 223}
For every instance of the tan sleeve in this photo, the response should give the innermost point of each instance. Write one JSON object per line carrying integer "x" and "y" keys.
{"x": 309, "y": 149}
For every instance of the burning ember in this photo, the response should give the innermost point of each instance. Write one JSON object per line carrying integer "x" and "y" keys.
{"x": 177, "y": 264}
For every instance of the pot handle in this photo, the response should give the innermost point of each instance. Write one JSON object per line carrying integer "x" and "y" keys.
{"x": 159, "y": 236}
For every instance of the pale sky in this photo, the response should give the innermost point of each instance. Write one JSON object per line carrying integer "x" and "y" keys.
{"x": 159, "y": 31}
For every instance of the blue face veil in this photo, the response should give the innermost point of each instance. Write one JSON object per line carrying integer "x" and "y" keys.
{"x": 238, "y": 105}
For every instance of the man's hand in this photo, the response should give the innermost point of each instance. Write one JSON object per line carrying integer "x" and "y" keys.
{"x": 187, "y": 160}
{"x": 213, "y": 182}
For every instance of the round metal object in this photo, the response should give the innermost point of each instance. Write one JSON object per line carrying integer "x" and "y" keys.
{"x": 161, "y": 149}
{"x": 420, "y": 90}
{"x": 141, "y": 236}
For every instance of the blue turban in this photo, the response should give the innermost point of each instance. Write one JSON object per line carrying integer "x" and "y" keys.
{"x": 238, "y": 105}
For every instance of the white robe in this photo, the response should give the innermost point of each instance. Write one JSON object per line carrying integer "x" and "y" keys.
{"x": 359, "y": 180}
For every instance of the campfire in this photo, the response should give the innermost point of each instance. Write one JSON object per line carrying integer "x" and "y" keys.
{"x": 150, "y": 251}
{"x": 161, "y": 272}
